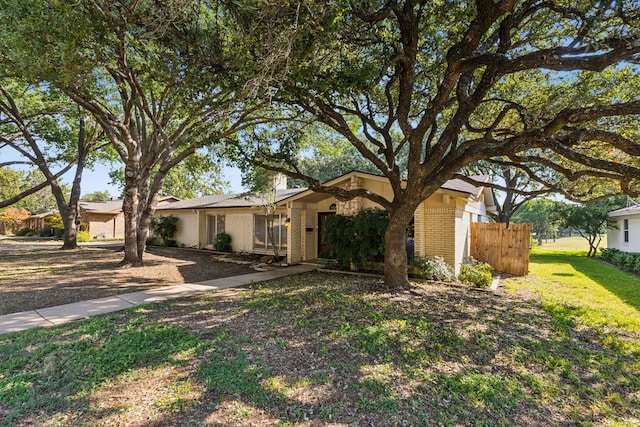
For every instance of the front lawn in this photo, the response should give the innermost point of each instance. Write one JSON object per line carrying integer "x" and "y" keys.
{"x": 324, "y": 349}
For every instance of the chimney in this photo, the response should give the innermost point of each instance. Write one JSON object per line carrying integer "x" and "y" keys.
{"x": 279, "y": 181}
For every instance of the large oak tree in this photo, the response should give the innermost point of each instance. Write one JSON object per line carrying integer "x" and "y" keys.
{"x": 138, "y": 68}
{"x": 429, "y": 78}
{"x": 49, "y": 135}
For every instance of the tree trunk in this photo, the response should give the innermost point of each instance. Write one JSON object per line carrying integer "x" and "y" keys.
{"x": 69, "y": 219}
{"x": 130, "y": 211}
{"x": 395, "y": 250}
{"x": 70, "y": 212}
{"x": 149, "y": 195}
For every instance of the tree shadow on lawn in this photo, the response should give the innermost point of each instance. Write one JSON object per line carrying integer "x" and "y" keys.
{"x": 453, "y": 359}
{"x": 318, "y": 349}
{"x": 624, "y": 285}
{"x": 46, "y": 278}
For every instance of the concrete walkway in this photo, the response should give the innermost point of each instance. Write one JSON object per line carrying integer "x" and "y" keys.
{"x": 79, "y": 310}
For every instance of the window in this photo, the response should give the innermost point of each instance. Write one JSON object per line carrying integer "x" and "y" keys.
{"x": 626, "y": 231}
{"x": 261, "y": 231}
{"x": 215, "y": 225}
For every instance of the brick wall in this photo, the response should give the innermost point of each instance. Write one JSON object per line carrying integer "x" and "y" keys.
{"x": 105, "y": 226}
{"x": 434, "y": 232}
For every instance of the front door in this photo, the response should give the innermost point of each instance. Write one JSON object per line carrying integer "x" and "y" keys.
{"x": 322, "y": 217}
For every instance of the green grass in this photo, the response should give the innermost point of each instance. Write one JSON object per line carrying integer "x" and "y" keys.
{"x": 598, "y": 303}
{"x": 571, "y": 243}
{"x": 47, "y": 369}
{"x": 596, "y": 293}
{"x": 323, "y": 348}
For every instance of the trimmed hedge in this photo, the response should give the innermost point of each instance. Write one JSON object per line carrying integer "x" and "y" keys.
{"x": 629, "y": 261}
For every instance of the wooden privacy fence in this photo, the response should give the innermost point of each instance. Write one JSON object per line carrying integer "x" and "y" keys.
{"x": 505, "y": 249}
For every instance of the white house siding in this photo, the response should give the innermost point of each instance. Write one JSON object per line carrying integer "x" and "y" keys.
{"x": 187, "y": 232}
{"x": 463, "y": 238}
{"x": 239, "y": 225}
{"x": 615, "y": 237}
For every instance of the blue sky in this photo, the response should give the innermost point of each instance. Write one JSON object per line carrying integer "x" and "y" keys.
{"x": 98, "y": 178}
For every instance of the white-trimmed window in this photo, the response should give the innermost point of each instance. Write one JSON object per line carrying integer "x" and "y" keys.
{"x": 626, "y": 230}
{"x": 261, "y": 231}
{"x": 215, "y": 225}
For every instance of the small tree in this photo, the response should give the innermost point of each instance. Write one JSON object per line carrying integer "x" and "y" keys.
{"x": 542, "y": 214}
{"x": 13, "y": 218}
{"x": 262, "y": 188}
{"x": 591, "y": 220}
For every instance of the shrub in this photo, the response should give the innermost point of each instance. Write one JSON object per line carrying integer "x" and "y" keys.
{"x": 357, "y": 240}
{"x": 608, "y": 254}
{"x": 154, "y": 240}
{"x": 45, "y": 232}
{"x": 335, "y": 231}
{"x": 625, "y": 260}
{"x": 631, "y": 260}
{"x": 431, "y": 269}
{"x": 476, "y": 273}
{"x": 223, "y": 242}
{"x": 25, "y": 232}
{"x": 58, "y": 233}
{"x": 165, "y": 228}
{"x": 618, "y": 258}
{"x": 82, "y": 236}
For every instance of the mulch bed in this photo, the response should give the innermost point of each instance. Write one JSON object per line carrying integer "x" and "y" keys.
{"x": 33, "y": 279}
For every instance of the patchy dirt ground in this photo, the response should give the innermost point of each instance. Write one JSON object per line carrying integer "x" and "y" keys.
{"x": 32, "y": 278}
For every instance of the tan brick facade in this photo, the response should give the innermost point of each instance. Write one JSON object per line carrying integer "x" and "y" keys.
{"x": 434, "y": 232}
{"x": 295, "y": 236}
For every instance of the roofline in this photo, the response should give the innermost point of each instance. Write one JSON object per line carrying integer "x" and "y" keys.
{"x": 630, "y": 211}
{"x": 168, "y": 206}
{"x": 378, "y": 178}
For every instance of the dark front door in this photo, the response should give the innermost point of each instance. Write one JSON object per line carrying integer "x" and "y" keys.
{"x": 322, "y": 216}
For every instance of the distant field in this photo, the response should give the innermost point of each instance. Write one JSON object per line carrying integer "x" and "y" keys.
{"x": 574, "y": 242}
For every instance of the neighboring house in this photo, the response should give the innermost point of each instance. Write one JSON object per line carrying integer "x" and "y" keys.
{"x": 441, "y": 224}
{"x": 102, "y": 219}
{"x": 105, "y": 219}
{"x": 38, "y": 221}
{"x": 626, "y": 235}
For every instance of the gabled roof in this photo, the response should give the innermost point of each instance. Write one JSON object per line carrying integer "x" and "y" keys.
{"x": 115, "y": 206}
{"x": 466, "y": 187}
{"x": 235, "y": 200}
{"x": 43, "y": 215}
{"x": 456, "y": 185}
